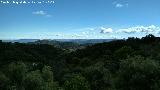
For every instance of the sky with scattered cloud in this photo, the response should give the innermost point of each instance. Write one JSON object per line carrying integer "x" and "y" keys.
{"x": 78, "y": 19}
{"x": 41, "y": 13}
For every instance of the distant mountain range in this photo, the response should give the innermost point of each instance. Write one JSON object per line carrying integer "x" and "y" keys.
{"x": 85, "y": 41}
{"x": 78, "y": 41}
{"x": 21, "y": 40}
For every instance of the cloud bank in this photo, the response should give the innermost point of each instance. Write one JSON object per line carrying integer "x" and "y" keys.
{"x": 106, "y": 30}
{"x": 152, "y": 29}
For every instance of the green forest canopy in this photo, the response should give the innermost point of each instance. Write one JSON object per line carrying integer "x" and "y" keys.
{"x": 131, "y": 64}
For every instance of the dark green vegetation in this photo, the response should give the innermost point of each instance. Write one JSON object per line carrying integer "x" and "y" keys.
{"x": 132, "y": 64}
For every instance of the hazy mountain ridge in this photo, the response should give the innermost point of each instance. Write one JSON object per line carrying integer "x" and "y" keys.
{"x": 78, "y": 41}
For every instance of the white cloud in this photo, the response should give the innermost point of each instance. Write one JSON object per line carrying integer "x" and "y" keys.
{"x": 106, "y": 30}
{"x": 48, "y": 15}
{"x": 39, "y": 12}
{"x": 119, "y": 5}
{"x": 84, "y": 33}
{"x": 91, "y": 29}
{"x": 42, "y": 13}
{"x": 24, "y": 2}
{"x": 141, "y": 29}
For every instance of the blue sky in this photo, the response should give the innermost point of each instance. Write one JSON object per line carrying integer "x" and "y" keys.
{"x": 78, "y": 19}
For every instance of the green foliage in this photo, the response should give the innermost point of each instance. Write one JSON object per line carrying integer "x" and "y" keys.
{"x": 123, "y": 52}
{"x": 98, "y": 76}
{"x": 149, "y": 38}
{"x": 76, "y": 82}
{"x": 4, "y": 82}
{"x": 137, "y": 73}
{"x": 34, "y": 81}
{"x": 16, "y": 73}
{"x": 47, "y": 75}
{"x": 131, "y": 64}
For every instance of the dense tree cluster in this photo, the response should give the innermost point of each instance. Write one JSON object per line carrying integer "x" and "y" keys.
{"x": 131, "y": 64}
